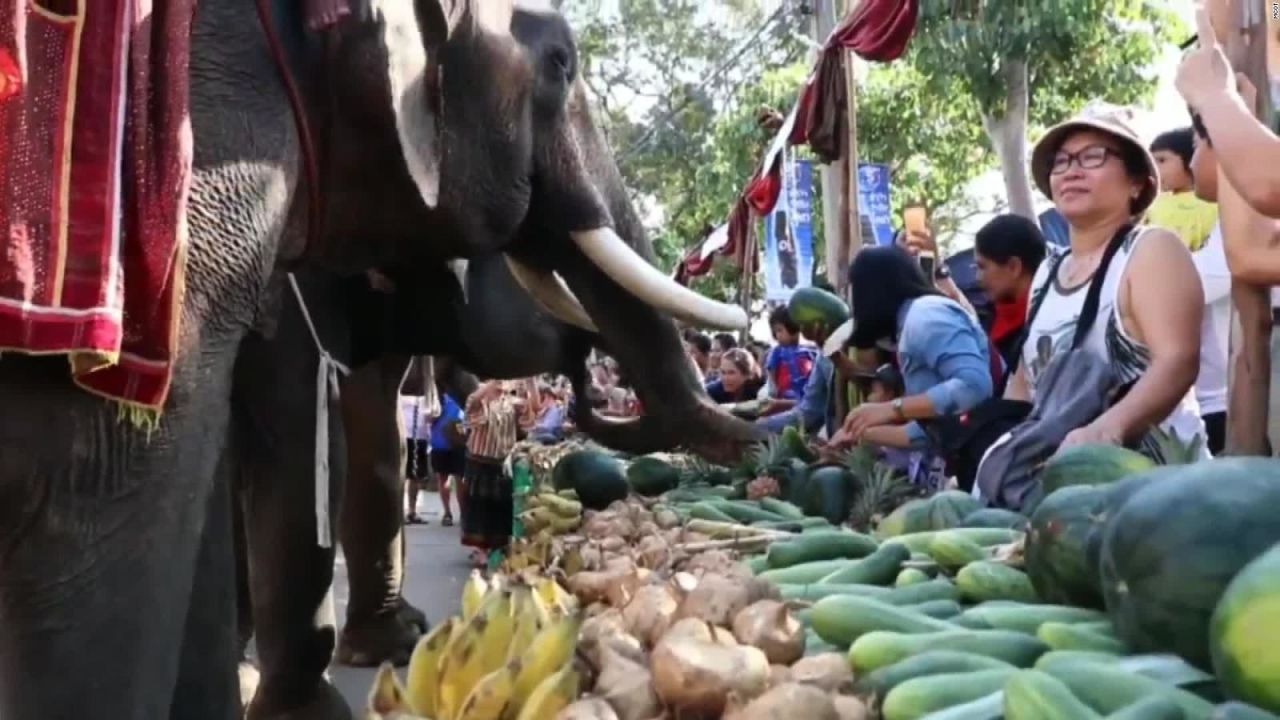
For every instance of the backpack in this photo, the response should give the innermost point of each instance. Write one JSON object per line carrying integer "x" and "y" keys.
{"x": 1074, "y": 389}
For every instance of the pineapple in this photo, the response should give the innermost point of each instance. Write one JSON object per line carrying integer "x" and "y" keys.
{"x": 880, "y": 490}
{"x": 1174, "y": 451}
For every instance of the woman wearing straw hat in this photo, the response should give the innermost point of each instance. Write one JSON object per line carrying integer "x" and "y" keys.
{"x": 1101, "y": 177}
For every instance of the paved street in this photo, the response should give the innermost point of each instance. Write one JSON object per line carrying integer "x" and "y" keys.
{"x": 436, "y": 568}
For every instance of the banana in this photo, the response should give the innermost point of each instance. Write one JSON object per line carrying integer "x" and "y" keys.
{"x": 564, "y": 525}
{"x": 491, "y": 696}
{"x": 473, "y": 592}
{"x": 555, "y": 595}
{"x": 537, "y": 518}
{"x": 546, "y": 613}
{"x": 423, "y": 690}
{"x": 496, "y": 638}
{"x": 569, "y": 494}
{"x": 545, "y": 588}
{"x": 561, "y": 506}
{"x": 552, "y": 695}
{"x": 459, "y": 667}
{"x": 526, "y": 620}
{"x": 387, "y": 696}
{"x": 552, "y": 649}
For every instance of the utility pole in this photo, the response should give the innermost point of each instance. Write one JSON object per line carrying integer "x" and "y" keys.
{"x": 1249, "y": 384}
{"x": 833, "y": 176}
{"x": 853, "y": 236}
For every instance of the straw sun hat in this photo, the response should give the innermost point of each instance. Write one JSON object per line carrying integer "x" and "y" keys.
{"x": 1116, "y": 121}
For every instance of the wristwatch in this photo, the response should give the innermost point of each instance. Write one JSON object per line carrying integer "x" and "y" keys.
{"x": 897, "y": 409}
{"x": 941, "y": 272}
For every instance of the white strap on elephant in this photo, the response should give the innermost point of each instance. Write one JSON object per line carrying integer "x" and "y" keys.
{"x": 326, "y": 382}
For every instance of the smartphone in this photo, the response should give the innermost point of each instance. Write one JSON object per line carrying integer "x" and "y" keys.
{"x": 928, "y": 263}
{"x": 915, "y": 219}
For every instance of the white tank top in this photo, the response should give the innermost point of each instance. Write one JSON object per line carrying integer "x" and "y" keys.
{"x": 1053, "y": 329}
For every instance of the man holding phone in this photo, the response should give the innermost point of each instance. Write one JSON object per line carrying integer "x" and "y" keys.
{"x": 916, "y": 239}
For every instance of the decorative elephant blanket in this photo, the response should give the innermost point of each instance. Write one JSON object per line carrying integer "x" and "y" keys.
{"x": 95, "y": 168}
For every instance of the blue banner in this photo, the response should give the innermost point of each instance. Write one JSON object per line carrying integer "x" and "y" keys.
{"x": 788, "y": 234}
{"x": 874, "y": 211}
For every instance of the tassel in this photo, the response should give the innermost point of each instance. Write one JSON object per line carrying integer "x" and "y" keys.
{"x": 324, "y": 14}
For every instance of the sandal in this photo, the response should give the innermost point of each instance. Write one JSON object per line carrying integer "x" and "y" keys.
{"x": 479, "y": 559}
{"x": 413, "y": 519}
{"x": 447, "y": 520}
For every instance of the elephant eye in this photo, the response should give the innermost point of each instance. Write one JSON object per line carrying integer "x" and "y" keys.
{"x": 559, "y": 64}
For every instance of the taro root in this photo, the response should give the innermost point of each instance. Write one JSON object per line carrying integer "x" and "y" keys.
{"x": 588, "y": 709}
{"x": 789, "y": 700}
{"x": 716, "y": 599}
{"x": 769, "y": 626}
{"x": 695, "y": 677}
{"x": 825, "y": 671}
{"x": 595, "y": 630}
{"x": 689, "y": 629}
{"x": 652, "y": 551}
{"x": 666, "y": 518}
{"x": 851, "y": 708}
{"x": 779, "y": 674}
{"x": 627, "y": 686}
{"x": 650, "y": 612}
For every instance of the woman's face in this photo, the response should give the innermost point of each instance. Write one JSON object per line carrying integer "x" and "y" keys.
{"x": 730, "y": 376}
{"x": 999, "y": 280}
{"x": 1103, "y": 188}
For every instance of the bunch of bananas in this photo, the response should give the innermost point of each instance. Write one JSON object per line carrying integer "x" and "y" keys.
{"x": 509, "y": 656}
{"x": 556, "y": 513}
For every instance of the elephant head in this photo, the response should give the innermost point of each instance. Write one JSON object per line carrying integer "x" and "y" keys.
{"x": 501, "y": 155}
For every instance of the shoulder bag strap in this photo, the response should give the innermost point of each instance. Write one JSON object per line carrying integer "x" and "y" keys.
{"x": 1089, "y": 314}
{"x": 1035, "y": 308}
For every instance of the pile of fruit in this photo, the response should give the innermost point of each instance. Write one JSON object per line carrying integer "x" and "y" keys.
{"x": 1125, "y": 591}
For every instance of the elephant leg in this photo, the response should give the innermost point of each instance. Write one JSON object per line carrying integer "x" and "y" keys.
{"x": 101, "y": 525}
{"x": 248, "y": 672}
{"x": 378, "y": 626}
{"x": 290, "y": 574}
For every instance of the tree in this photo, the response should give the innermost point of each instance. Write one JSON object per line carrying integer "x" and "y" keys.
{"x": 1036, "y": 61}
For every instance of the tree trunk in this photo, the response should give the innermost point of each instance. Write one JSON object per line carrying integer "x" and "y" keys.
{"x": 1007, "y": 130}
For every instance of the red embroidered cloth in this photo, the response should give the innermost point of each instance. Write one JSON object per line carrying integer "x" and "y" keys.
{"x": 95, "y": 167}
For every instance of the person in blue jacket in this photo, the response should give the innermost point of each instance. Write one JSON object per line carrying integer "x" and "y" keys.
{"x": 448, "y": 452}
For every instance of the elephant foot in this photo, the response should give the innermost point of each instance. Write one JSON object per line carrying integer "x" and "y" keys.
{"x": 249, "y": 678}
{"x": 413, "y": 616}
{"x": 325, "y": 703}
{"x": 369, "y": 642}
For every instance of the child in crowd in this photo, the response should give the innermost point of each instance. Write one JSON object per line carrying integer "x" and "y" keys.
{"x": 1178, "y": 208}
{"x": 417, "y": 466}
{"x": 788, "y": 365}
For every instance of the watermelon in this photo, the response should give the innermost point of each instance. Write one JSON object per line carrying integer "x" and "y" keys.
{"x": 1170, "y": 551}
{"x": 1115, "y": 496}
{"x": 651, "y": 476}
{"x": 1055, "y": 547}
{"x": 911, "y": 517}
{"x": 597, "y": 477}
{"x": 1087, "y": 465}
{"x": 1244, "y": 633}
{"x": 810, "y": 305}
{"x": 994, "y": 518}
{"x": 828, "y": 493}
{"x": 948, "y": 509}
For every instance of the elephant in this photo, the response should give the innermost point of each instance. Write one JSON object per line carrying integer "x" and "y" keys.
{"x": 449, "y": 128}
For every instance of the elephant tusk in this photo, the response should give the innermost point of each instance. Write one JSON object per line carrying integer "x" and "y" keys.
{"x": 551, "y": 294}
{"x": 459, "y": 269}
{"x": 619, "y": 261}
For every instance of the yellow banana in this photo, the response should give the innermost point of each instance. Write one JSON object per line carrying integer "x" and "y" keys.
{"x": 423, "y": 690}
{"x": 552, "y": 695}
{"x": 551, "y": 649}
{"x": 459, "y": 668}
{"x": 387, "y": 696}
{"x": 496, "y": 638}
{"x": 561, "y": 506}
{"x": 473, "y": 592}
{"x": 568, "y": 494}
{"x": 491, "y": 696}
{"x": 526, "y": 620}
{"x": 563, "y": 525}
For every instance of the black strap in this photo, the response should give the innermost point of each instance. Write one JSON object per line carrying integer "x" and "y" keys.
{"x": 1089, "y": 313}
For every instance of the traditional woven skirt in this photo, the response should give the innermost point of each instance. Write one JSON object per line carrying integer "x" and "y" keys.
{"x": 486, "y": 501}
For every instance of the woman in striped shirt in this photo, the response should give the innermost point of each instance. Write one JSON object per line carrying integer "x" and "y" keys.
{"x": 493, "y": 416}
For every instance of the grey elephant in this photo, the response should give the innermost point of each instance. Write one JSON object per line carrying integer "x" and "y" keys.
{"x": 448, "y": 129}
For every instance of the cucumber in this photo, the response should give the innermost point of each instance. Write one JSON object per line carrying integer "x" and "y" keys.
{"x": 687, "y": 495}
{"x": 1026, "y": 618}
{"x": 1168, "y": 669}
{"x": 988, "y": 580}
{"x": 745, "y": 511}
{"x": 783, "y": 509}
{"x": 910, "y": 576}
{"x": 819, "y": 546}
{"x": 756, "y": 564}
{"x": 803, "y": 573}
{"x": 795, "y": 525}
{"x": 940, "y": 589}
{"x": 1107, "y": 688}
{"x": 954, "y": 551}
{"x": 842, "y": 619}
{"x": 1061, "y": 636}
{"x": 1156, "y": 707}
{"x": 986, "y": 537}
{"x": 878, "y": 649}
{"x": 1102, "y": 627}
{"x": 941, "y": 609}
{"x": 934, "y": 662}
{"x": 878, "y": 568}
{"x": 814, "y": 645}
{"x": 988, "y": 707}
{"x": 1033, "y": 695}
{"x": 917, "y": 698}
{"x": 705, "y": 510}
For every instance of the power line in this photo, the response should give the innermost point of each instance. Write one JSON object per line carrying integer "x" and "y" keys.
{"x": 714, "y": 76}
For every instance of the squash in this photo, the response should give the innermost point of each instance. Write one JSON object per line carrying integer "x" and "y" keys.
{"x": 1170, "y": 551}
